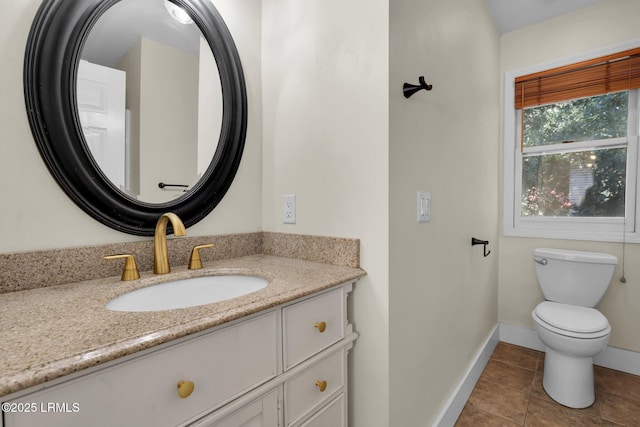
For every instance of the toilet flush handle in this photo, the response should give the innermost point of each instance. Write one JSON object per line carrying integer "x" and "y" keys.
{"x": 542, "y": 261}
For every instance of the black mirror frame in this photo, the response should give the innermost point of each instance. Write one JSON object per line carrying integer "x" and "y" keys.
{"x": 57, "y": 35}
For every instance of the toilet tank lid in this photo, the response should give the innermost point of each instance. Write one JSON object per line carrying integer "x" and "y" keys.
{"x": 575, "y": 256}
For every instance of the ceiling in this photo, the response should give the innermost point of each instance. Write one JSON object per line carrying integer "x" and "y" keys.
{"x": 510, "y": 15}
{"x": 121, "y": 26}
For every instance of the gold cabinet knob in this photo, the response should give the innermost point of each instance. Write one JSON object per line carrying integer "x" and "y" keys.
{"x": 321, "y": 326}
{"x": 185, "y": 388}
{"x": 322, "y": 385}
{"x": 130, "y": 271}
{"x": 195, "y": 262}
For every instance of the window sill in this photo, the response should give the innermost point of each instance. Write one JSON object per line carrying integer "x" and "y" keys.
{"x": 567, "y": 234}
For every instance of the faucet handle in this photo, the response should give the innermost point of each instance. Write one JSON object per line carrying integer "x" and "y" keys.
{"x": 130, "y": 271}
{"x": 195, "y": 262}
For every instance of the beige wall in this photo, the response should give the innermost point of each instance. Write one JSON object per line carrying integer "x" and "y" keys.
{"x": 36, "y": 214}
{"x": 325, "y": 137}
{"x": 442, "y": 291}
{"x": 131, "y": 64}
{"x": 209, "y": 107}
{"x": 607, "y": 23}
{"x": 168, "y": 120}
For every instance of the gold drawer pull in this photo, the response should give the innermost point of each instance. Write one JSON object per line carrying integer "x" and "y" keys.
{"x": 322, "y": 385}
{"x": 185, "y": 388}
{"x": 321, "y": 326}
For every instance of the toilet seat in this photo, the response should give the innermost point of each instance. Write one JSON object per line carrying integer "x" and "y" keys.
{"x": 571, "y": 320}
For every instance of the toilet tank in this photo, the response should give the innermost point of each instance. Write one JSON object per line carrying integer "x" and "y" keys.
{"x": 573, "y": 277}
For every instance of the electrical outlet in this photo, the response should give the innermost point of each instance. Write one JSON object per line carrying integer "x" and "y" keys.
{"x": 289, "y": 209}
{"x": 424, "y": 206}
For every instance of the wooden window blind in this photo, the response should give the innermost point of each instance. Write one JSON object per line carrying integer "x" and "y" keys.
{"x": 611, "y": 73}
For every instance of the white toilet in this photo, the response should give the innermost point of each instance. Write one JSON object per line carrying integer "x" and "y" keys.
{"x": 572, "y": 282}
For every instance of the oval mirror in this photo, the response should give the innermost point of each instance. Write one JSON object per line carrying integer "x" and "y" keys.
{"x": 138, "y": 107}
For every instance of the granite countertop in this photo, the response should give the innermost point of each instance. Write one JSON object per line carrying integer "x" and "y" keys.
{"x": 58, "y": 330}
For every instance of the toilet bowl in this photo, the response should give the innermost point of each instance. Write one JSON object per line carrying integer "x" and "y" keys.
{"x": 572, "y": 336}
{"x": 572, "y": 331}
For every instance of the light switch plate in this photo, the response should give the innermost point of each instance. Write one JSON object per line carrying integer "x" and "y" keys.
{"x": 424, "y": 206}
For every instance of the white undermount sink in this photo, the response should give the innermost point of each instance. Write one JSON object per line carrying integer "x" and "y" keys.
{"x": 187, "y": 293}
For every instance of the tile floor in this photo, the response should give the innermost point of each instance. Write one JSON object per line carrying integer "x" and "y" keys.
{"x": 509, "y": 393}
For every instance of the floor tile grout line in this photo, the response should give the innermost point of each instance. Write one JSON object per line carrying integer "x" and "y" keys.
{"x": 526, "y": 412}
{"x": 528, "y": 389}
{"x": 513, "y": 365}
{"x": 507, "y": 386}
{"x": 495, "y": 415}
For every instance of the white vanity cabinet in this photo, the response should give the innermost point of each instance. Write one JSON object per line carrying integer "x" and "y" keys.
{"x": 283, "y": 366}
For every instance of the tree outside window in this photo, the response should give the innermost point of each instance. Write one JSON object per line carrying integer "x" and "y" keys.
{"x": 562, "y": 178}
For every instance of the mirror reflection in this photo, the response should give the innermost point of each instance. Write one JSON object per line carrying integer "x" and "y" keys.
{"x": 149, "y": 99}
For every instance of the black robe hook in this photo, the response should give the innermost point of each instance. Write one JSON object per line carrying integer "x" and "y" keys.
{"x": 409, "y": 89}
{"x": 484, "y": 243}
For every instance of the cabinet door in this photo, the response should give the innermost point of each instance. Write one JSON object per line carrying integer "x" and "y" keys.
{"x": 260, "y": 413}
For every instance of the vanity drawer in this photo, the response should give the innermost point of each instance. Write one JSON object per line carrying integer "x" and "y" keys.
{"x": 334, "y": 415}
{"x": 262, "y": 412}
{"x": 312, "y": 325}
{"x": 306, "y": 392}
{"x": 144, "y": 391}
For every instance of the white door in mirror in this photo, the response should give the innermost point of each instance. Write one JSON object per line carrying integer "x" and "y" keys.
{"x": 101, "y": 107}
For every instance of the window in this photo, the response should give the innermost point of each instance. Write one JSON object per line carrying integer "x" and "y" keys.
{"x": 574, "y": 158}
{"x": 571, "y": 149}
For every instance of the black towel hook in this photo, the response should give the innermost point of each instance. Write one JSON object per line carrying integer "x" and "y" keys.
{"x": 475, "y": 241}
{"x": 409, "y": 89}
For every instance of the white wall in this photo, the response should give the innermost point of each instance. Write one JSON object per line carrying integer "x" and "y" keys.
{"x": 36, "y": 214}
{"x": 604, "y": 24}
{"x": 325, "y": 134}
{"x": 442, "y": 291}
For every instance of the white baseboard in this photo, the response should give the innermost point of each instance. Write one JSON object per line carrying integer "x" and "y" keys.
{"x": 519, "y": 336}
{"x": 611, "y": 357}
{"x": 461, "y": 394}
{"x": 619, "y": 359}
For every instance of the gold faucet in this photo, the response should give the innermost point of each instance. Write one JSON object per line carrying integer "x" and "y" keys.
{"x": 160, "y": 255}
